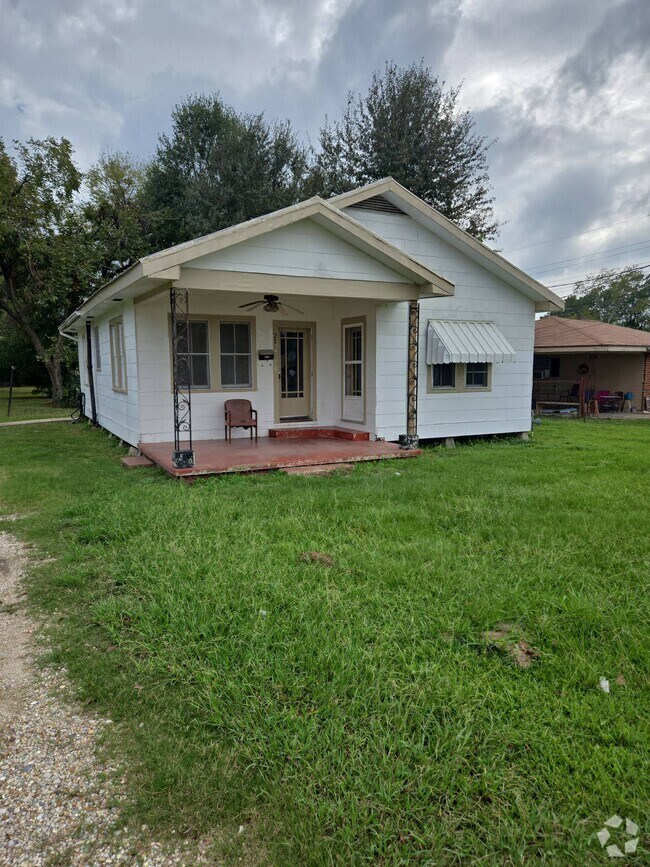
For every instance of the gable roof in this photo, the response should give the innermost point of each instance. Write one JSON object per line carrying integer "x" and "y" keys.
{"x": 164, "y": 265}
{"x": 554, "y": 332}
{"x": 414, "y": 207}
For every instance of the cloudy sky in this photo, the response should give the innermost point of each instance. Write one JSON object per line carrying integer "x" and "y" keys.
{"x": 563, "y": 85}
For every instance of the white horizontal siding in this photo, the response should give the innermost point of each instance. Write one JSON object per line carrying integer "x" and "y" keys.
{"x": 479, "y": 295}
{"x": 116, "y": 411}
{"x": 304, "y": 249}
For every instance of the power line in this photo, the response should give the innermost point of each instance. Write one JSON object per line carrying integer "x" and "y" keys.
{"x": 585, "y": 260}
{"x": 590, "y": 255}
{"x": 580, "y": 279}
{"x": 578, "y": 234}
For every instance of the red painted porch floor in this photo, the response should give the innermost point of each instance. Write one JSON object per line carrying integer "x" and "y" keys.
{"x": 244, "y": 456}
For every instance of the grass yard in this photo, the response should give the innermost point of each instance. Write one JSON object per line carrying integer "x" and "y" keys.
{"x": 354, "y": 713}
{"x": 27, "y": 405}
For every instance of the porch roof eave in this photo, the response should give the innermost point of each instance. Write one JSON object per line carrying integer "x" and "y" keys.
{"x": 256, "y": 283}
{"x": 590, "y": 349}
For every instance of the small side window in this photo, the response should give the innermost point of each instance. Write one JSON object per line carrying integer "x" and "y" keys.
{"x": 443, "y": 376}
{"x": 118, "y": 355}
{"x": 477, "y": 375}
{"x": 98, "y": 352}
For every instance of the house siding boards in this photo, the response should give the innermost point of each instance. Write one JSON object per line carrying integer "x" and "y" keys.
{"x": 117, "y": 411}
{"x": 304, "y": 249}
{"x": 478, "y": 295}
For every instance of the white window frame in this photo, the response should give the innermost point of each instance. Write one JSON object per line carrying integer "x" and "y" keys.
{"x": 98, "y": 354}
{"x": 118, "y": 355}
{"x": 355, "y": 362}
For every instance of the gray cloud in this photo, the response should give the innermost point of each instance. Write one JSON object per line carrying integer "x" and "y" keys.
{"x": 561, "y": 85}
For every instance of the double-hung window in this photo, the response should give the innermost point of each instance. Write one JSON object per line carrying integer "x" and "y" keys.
{"x": 118, "y": 354}
{"x": 236, "y": 358}
{"x": 194, "y": 354}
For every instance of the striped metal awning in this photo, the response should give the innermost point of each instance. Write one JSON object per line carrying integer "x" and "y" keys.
{"x": 455, "y": 341}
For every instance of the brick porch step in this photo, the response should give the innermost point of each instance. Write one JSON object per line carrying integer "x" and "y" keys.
{"x": 339, "y": 433}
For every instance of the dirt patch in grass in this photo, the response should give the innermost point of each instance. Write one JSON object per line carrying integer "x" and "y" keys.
{"x": 317, "y": 557}
{"x": 504, "y": 639}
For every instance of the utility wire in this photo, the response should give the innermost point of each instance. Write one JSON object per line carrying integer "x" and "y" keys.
{"x": 595, "y": 254}
{"x": 580, "y": 279}
{"x": 578, "y": 234}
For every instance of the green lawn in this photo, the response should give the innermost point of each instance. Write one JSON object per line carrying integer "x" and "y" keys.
{"x": 354, "y": 714}
{"x": 27, "y": 405}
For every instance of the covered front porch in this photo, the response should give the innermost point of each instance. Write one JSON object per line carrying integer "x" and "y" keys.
{"x": 318, "y": 448}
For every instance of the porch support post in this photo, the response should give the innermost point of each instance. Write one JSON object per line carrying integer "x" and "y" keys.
{"x": 182, "y": 457}
{"x": 410, "y": 440}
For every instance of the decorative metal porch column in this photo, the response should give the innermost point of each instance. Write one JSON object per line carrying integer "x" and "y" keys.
{"x": 410, "y": 440}
{"x": 182, "y": 458}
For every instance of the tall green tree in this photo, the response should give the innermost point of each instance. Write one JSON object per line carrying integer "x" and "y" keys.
{"x": 618, "y": 296}
{"x": 410, "y": 127}
{"x": 43, "y": 272}
{"x": 60, "y": 239}
{"x": 217, "y": 168}
{"x": 117, "y": 226}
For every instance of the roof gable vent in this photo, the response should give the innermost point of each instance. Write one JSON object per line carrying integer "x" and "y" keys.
{"x": 378, "y": 203}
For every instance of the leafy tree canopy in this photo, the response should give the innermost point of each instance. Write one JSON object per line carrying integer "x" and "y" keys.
{"x": 410, "y": 127}
{"x": 59, "y": 240}
{"x": 218, "y": 168}
{"x": 618, "y": 296}
{"x": 117, "y": 224}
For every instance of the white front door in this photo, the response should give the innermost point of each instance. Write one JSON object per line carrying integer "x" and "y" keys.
{"x": 353, "y": 338}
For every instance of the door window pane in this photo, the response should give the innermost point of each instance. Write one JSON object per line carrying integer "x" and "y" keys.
{"x": 292, "y": 364}
{"x": 353, "y": 360}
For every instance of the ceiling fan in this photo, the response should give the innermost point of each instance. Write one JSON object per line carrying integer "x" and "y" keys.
{"x": 271, "y": 304}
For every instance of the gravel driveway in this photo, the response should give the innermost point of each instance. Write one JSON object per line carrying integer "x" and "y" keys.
{"x": 59, "y": 805}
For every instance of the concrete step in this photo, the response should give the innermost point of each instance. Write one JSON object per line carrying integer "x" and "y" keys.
{"x": 136, "y": 461}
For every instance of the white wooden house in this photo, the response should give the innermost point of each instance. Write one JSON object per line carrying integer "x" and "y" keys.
{"x": 371, "y": 279}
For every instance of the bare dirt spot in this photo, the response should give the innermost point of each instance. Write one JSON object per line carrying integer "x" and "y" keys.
{"x": 503, "y": 638}
{"x": 59, "y": 800}
{"x": 317, "y": 557}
